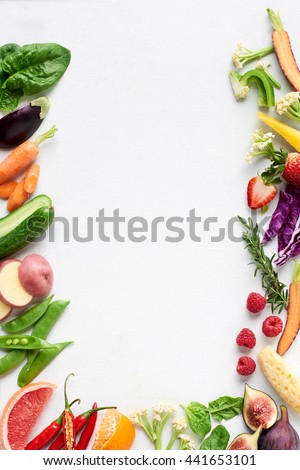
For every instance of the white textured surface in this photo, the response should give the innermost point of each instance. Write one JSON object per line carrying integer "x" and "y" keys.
{"x": 148, "y": 124}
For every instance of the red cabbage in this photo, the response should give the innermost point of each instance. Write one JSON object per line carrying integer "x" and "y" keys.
{"x": 279, "y": 217}
{"x": 291, "y": 250}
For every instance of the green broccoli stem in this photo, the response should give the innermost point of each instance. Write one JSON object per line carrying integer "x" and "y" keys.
{"x": 275, "y": 20}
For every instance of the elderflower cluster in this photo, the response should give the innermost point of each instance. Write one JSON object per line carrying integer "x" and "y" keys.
{"x": 179, "y": 424}
{"x": 289, "y": 105}
{"x": 261, "y": 144}
{"x": 162, "y": 409}
{"x": 138, "y": 415}
{"x": 186, "y": 442}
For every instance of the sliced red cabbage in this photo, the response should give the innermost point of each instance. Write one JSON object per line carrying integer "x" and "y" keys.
{"x": 279, "y": 217}
{"x": 286, "y": 232}
{"x": 291, "y": 250}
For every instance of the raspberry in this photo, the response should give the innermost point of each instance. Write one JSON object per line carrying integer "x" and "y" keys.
{"x": 272, "y": 326}
{"x": 246, "y": 338}
{"x": 245, "y": 366}
{"x": 256, "y": 302}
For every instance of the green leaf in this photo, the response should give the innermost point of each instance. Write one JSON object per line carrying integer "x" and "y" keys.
{"x": 35, "y": 67}
{"x": 5, "y": 51}
{"x": 199, "y": 418}
{"x": 217, "y": 440}
{"x": 225, "y": 407}
{"x": 9, "y": 99}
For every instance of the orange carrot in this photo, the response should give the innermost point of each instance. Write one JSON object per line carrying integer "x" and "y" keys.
{"x": 22, "y": 156}
{"x": 32, "y": 178}
{"x": 17, "y": 197}
{"x": 7, "y": 188}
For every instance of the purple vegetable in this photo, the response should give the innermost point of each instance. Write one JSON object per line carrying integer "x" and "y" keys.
{"x": 291, "y": 250}
{"x": 286, "y": 232}
{"x": 18, "y": 126}
{"x": 279, "y": 216}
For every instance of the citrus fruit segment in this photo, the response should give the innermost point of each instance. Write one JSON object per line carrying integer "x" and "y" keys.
{"x": 115, "y": 432}
{"x": 21, "y": 413}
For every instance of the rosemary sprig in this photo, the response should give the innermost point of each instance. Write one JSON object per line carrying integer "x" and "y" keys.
{"x": 276, "y": 292}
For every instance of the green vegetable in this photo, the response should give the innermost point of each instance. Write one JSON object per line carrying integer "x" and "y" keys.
{"x": 11, "y": 360}
{"x": 31, "y": 69}
{"x": 28, "y": 318}
{"x": 276, "y": 292}
{"x": 25, "y": 225}
{"x": 23, "y": 342}
{"x": 265, "y": 86}
{"x": 5, "y": 51}
{"x": 44, "y": 325}
{"x": 244, "y": 56}
{"x": 40, "y": 362}
{"x": 199, "y": 418}
{"x": 225, "y": 407}
{"x": 217, "y": 440}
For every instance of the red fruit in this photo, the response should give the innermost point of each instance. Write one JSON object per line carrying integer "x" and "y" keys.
{"x": 272, "y": 326}
{"x": 259, "y": 194}
{"x": 291, "y": 171}
{"x": 246, "y": 338}
{"x": 256, "y": 302}
{"x": 245, "y": 366}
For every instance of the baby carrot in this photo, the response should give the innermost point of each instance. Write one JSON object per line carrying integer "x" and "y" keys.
{"x": 22, "y": 156}
{"x": 17, "y": 197}
{"x": 31, "y": 178}
{"x": 7, "y": 188}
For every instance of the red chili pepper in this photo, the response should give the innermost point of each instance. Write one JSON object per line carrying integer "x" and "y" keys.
{"x": 88, "y": 430}
{"x": 69, "y": 431}
{"x": 45, "y": 436}
{"x": 79, "y": 423}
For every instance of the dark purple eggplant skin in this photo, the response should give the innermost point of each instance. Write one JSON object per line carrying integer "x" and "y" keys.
{"x": 18, "y": 126}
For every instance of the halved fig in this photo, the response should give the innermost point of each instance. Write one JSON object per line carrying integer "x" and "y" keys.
{"x": 246, "y": 441}
{"x": 259, "y": 409}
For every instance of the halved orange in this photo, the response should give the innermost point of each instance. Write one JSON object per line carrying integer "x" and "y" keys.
{"x": 21, "y": 413}
{"x": 116, "y": 432}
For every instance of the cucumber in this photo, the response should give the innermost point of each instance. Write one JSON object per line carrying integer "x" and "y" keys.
{"x": 25, "y": 225}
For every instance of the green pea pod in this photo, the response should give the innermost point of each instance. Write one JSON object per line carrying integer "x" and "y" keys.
{"x": 40, "y": 362}
{"x": 28, "y": 318}
{"x": 11, "y": 360}
{"x": 44, "y": 325}
{"x": 23, "y": 342}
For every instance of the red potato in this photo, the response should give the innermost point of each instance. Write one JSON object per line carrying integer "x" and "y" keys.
{"x": 11, "y": 291}
{"x": 5, "y": 311}
{"x": 36, "y": 275}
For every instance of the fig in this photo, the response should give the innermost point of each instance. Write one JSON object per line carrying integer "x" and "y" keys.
{"x": 246, "y": 441}
{"x": 281, "y": 436}
{"x": 258, "y": 409}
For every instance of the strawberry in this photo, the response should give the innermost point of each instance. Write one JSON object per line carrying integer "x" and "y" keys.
{"x": 260, "y": 194}
{"x": 291, "y": 171}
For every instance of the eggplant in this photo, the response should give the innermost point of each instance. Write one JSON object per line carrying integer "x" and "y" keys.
{"x": 18, "y": 126}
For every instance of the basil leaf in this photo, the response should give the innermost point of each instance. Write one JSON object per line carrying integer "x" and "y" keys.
{"x": 35, "y": 67}
{"x": 4, "y": 51}
{"x": 225, "y": 407}
{"x": 198, "y": 418}
{"x": 217, "y": 440}
{"x": 9, "y": 99}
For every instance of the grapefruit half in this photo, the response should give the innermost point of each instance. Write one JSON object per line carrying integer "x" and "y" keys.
{"x": 21, "y": 413}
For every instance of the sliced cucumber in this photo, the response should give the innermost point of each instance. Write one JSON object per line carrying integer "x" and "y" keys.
{"x": 11, "y": 221}
{"x": 28, "y": 230}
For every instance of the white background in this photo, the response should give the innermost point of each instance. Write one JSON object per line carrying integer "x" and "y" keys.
{"x": 148, "y": 124}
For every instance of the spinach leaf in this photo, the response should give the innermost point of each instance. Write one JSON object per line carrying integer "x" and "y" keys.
{"x": 198, "y": 418}
{"x": 217, "y": 440}
{"x": 35, "y": 67}
{"x": 9, "y": 99}
{"x": 4, "y": 51}
{"x": 225, "y": 407}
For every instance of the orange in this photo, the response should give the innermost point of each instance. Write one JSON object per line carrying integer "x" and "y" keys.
{"x": 115, "y": 432}
{"x": 21, "y": 413}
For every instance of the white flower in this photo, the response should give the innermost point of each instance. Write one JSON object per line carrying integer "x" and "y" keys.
{"x": 260, "y": 143}
{"x": 137, "y": 415}
{"x": 286, "y": 101}
{"x": 187, "y": 442}
{"x": 162, "y": 408}
{"x": 179, "y": 424}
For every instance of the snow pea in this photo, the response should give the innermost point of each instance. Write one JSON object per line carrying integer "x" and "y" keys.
{"x": 28, "y": 318}
{"x": 23, "y": 342}
{"x": 11, "y": 360}
{"x": 44, "y": 325}
{"x": 40, "y": 362}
